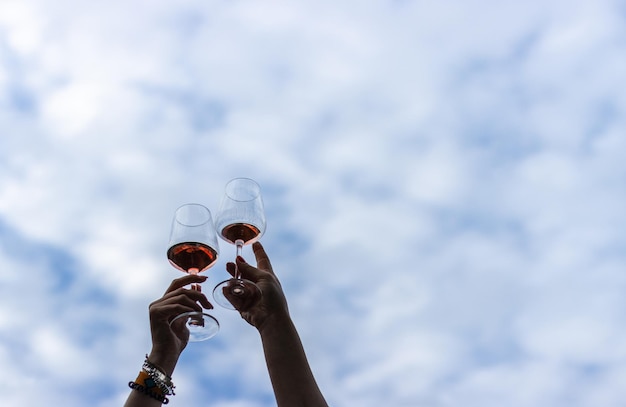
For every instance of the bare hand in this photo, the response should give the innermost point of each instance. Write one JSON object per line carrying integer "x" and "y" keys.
{"x": 272, "y": 302}
{"x": 168, "y": 341}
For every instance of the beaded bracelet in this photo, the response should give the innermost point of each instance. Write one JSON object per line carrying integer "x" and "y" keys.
{"x": 144, "y": 384}
{"x": 163, "y": 381}
{"x": 153, "y": 382}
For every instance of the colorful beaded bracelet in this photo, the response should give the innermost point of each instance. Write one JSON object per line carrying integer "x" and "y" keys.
{"x": 144, "y": 384}
{"x": 153, "y": 382}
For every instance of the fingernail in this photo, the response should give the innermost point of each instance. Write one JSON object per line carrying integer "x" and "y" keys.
{"x": 240, "y": 259}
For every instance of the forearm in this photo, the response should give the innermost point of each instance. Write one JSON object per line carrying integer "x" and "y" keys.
{"x": 292, "y": 379}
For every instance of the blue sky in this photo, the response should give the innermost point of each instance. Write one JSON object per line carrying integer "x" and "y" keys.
{"x": 444, "y": 184}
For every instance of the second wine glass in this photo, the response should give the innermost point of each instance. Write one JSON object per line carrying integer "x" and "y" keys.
{"x": 240, "y": 220}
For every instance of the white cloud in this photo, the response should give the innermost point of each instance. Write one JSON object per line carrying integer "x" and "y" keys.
{"x": 444, "y": 185}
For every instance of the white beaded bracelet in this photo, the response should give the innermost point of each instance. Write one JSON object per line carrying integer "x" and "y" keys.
{"x": 162, "y": 380}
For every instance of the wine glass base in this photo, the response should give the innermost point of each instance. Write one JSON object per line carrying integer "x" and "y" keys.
{"x": 201, "y": 326}
{"x": 236, "y": 294}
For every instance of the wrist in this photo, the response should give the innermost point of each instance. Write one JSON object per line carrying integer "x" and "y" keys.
{"x": 166, "y": 361}
{"x": 275, "y": 323}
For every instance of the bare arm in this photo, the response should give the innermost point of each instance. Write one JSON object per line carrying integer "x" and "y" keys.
{"x": 292, "y": 379}
{"x": 168, "y": 342}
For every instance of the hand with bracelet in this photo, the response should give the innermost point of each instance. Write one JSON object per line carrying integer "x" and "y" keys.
{"x": 154, "y": 382}
{"x": 289, "y": 370}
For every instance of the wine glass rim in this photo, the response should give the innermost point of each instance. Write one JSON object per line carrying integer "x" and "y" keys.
{"x": 257, "y": 189}
{"x": 197, "y": 205}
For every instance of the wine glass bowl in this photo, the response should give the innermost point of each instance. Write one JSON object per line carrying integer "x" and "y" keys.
{"x": 193, "y": 248}
{"x": 241, "y": 215}
{"x": 240, "y": 221}
{"x": 191, "y": 257}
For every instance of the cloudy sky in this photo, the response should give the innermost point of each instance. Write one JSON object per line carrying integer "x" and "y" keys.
{"x": 444, "y": 185}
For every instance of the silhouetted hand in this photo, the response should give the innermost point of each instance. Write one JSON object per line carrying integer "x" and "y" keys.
{"x": 272, "y": 303}
{"x": 168, "y": 341}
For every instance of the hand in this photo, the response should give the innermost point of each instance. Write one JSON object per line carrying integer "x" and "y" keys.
{"x": 272, "y": 303}
{"x": 168, "y": 342}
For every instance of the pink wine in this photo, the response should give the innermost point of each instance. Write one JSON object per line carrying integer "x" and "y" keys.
{"x": 243, "y": 231}
{"x": 191, "y": 255}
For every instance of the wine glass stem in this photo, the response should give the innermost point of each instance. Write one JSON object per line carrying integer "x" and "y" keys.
{"x": 194, "y": 272}
{"x": 239, "y": 245}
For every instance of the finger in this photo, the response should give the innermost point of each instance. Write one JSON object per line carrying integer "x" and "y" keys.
{"x": 231, "y": 268}
{"x": 185, "y": 280}
{"x": 203, "y": 300}
{"x": 158, "y": 307}
{"x": 248, "y": 271}
{"x": 198, "y": 297}
{"x": 262, "y": 259}
{"x": 184, "y": 296}
{"x": 191, "y": 292}
{"x": 170, "y": 311}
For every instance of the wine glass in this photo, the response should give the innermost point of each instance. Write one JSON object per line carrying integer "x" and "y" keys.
{"x": 239, "y": 221}
{"x": 192, "y": 249}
